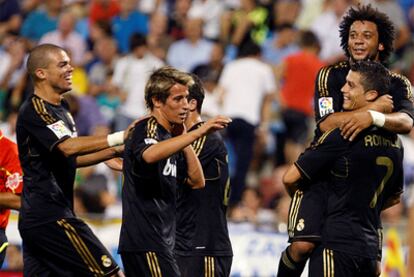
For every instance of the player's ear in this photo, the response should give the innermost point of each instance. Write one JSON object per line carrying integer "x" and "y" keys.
{"x": 192, "y": 105}
{"x": 371, "y": 95}
{"x": 156, "y": 102}
{"x": 380, "y": 47}
{"x": 40, "y": 73}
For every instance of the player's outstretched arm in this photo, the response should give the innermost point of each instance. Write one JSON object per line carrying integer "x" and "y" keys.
{"x": 166, "y": 148}
{"x": 91, "y": 144}
{"x": 99, "y": 156}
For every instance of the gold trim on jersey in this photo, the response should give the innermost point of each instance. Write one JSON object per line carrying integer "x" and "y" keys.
{"x": 153, "y": 264}
{"x": 294, "y": 210}
{"x": 81, "y": 248}
{"x": 3, "y": 246}
{"x": 323, "y": 77}
{"x": 328, "y": 263}
{"x": 209, "y": 266}
{"x": 152, "y": 128}
{"x": 407, "y": 84}
{"x": 323, "y": 137}
{"x": 198, "y": 145}
{"x": 41, "y": 110}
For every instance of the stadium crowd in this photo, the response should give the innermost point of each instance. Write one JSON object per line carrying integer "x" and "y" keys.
{"x": 258, "y": 61}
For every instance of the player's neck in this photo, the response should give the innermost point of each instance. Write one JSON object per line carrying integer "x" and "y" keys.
{"x": 162, "y": 120}
{"x": 48, "y": 94}
{"x": 192, "y": 119}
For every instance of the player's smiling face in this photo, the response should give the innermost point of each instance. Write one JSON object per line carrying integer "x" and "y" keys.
{"x": 175, "y": 108}
{"x": 363, "y": 41}
{"x": 59, "y": 71}
{"x": 353, "y": 92}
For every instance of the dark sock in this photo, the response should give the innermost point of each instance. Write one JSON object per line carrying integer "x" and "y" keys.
{"x": 288, "y": 267}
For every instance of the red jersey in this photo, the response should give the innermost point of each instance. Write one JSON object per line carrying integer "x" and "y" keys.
{"x": 11, "y": 179}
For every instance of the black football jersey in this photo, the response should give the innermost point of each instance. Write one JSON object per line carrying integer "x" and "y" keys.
{"x": 201, "y": 213}
{"x": 149, "y": 192}
{"x": 48, "y": 175}
{"x": 363, "y": 175}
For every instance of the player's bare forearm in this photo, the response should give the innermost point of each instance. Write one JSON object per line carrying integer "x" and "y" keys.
{"x": 291, "y": 178}
{"x": 83, "y": 145}
{"x": 399, "y": 122}
{"x": 100, "y": 156}
{"x": 9, "y": 200}
{"x": 194, "y": 170}
{"x": 333, "y": 121}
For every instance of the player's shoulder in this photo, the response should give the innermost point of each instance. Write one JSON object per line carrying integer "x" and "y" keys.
{"x": 332, "y": 69}
{"x": 332, "y": 136}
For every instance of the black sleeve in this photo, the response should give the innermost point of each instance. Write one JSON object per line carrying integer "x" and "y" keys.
{"x": 141, "y": 140}
{"x": 402, "y": 95}
{"x": 46, "y": 128}
{"x": 320, "y": 156}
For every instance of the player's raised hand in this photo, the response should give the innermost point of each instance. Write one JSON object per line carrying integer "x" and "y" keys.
{"x": 383, "y": 104}
{"x": 216, "y": 123}
{"x": 354, "y": 124}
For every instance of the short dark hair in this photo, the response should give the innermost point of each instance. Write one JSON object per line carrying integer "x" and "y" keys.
{"x": 137, "y": 40}
{"x": 374, "y": 76}
{"x": 196, "y": 91}
{"x": 385, "y": 28}
{"x": 309, "y": 39}
{"x": 160, "y": 82}
{"x": 39, "y": 58}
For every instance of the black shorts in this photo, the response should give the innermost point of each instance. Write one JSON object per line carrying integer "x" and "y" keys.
{"x": 332, "y": 263}
{"x": 306, "y": 214}
{"x": 3, "y": 246}
{"x": 297, "y": 126}
{"x": 66, "y": 247}
{"x": 204, "y": 266}
{"x": 149, "y": 264}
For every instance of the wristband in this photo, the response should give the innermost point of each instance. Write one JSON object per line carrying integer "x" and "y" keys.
{"x": 115, "y": 139}
{"x": 378, "y": 119}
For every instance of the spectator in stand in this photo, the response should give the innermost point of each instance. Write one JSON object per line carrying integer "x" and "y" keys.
{"x": 249, "y": 22}
{"x": 42, "y": 20}
{"x": 297, "y": 73}
{"x": 193, "y": 50}
{"x": 130, "y": 75}
{"x": 10, "y": 17}
{"x": 177, "y": 18}
{"x": 280, "y": 43}
{"x": 248, "y": 85}
{"x": 210, "y": 11}
{"x": 128, "y": 22}
{"x": 103, "y": 10}
{"x": 106, "y": 52}
{"x": 157, "y": 39}
{"x": 66, "y": 37}
{"x": 13, "y": 85}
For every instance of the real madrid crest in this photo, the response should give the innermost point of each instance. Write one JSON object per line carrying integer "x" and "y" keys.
{"x": 301, "y": 225}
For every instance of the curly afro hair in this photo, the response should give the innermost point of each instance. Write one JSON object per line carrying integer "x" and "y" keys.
{"x": 385, "y": 28}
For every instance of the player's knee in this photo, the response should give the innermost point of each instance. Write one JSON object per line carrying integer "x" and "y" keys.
{"x": 300, "y": 250}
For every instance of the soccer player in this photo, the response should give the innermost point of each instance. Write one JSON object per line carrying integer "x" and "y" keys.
{"x": 11, "y": 183}
{"x": 158, "y": 159}
{"x": 366, "y": 34}
{"x": 55, "y": 242}
{"x": 364, "y": 177}
{"x": 203, "y": 247}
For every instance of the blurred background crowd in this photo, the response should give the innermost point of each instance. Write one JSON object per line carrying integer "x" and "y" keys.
{"x": 258, "y": 61}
